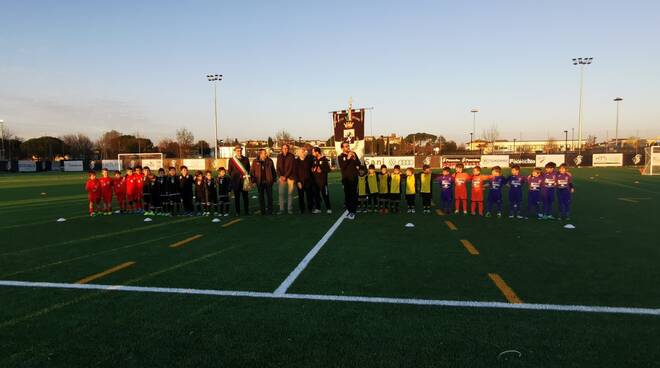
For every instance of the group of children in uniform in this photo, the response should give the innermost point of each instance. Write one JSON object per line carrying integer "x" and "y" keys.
{"x": 142, "y": 191}
{"x": 381, "y": 191}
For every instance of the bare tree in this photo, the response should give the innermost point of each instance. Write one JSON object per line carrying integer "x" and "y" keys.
{"x": 283, "y": 137}
{"x": 108, "y": 144}
{"x": 185, "y": 139}
{"x": 79, "y": 145}
{"x": 491, "y": 135}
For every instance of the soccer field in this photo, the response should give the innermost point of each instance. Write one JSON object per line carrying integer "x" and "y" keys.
{"x": 321, "y": 290}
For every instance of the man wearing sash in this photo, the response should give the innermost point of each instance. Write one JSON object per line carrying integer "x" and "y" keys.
{"x": 349, "y": 164}
{"x": 239, "y": 171}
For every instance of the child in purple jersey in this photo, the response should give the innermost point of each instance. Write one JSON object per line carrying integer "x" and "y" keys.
{"x": 497, "y": 181}
{"x": 446, "y": 181}
{"x": 534, "y": 182}
{"x": 515, "y": 183}
{"x": 564, "y": 190}
{"x": 548, "y": 186}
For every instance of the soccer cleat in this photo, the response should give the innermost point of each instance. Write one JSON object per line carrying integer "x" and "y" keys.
{"x": 487, "y": 214}
{"x": 550, "y": 217}
{"x": 412, "y": 210}
{"x": 511, "y": 216}
{"x": 316, "y": 211}
{"x": 499, "y": 214}
{"x": 329, "y": 212}
{"x": 351, "y": 216}
{"x": 456, "y": 212}
{"x": 520, "y": 217}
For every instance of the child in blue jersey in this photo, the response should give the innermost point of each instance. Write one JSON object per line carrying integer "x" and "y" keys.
{"x": 515, "y": 183}
{"x": 446, "y": 181}
{"x": 548, "y": 186}
{"x": 534, "y": 183}
{"x": 497, "y": 181}
{"x": 564, "y": 190}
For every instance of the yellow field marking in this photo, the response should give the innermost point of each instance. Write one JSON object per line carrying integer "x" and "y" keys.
{"x": 451, "y": 225}
{"x": 77, "y": 258}
{"x": 470, "y": 248}
{"x": 96, "y": 237}
{"x": 232, "y": 222}
{"x": 105, "y": 273}
{"x": 509, "y": 294}
{"x": 185, "y": 241}
{"x": 439, "y": 212}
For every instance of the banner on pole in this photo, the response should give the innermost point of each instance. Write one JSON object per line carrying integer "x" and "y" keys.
{"x": 390, "y": 161}
{"x": 74, "y": 165}
{"x": 349, "y": 127}
{"x": 468, "y": 161}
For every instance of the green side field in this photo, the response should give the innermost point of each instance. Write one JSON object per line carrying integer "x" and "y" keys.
{"x": 320, "y": 290}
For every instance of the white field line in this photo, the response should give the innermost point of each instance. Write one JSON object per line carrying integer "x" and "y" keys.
{"x": 308, "y": 258}
{"x": 342, "y": 298}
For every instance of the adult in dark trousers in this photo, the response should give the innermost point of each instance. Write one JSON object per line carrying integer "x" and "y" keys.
{"x": 186, "y": 181}
{"x": 349, "y": 164}
{"x": 286, "y": 180}
{"x": 239, "y": 173}
{"x": 320, "y": 170}
{"x": 304, "y": 181}
{"x": 263, "y": 175}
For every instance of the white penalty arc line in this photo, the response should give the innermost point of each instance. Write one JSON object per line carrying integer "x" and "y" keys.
{"x": 284, "y": 286}
{"x": 342, "y": 298}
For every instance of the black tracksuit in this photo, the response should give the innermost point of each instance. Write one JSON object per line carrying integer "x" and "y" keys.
{"x": 186, "y": 184}
{"x": 224, "y": 187}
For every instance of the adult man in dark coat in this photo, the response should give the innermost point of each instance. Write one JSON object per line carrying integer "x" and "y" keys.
{"x": 239, "y": 171}
{"x": 349, "y": 164}
{"x": 320, "y": 170}
{"x": 304, "y": 181}
{"x": 286, "y": 180}
{"x": 263, "y": 175}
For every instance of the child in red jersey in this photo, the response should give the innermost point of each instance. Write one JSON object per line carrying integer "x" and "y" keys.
{"x": 477, "y": 192}
{"x": 93, "y": 189}
{"x": 119, "y": 187}
{"x": 139, "y": 187}
{"x": 460, "y": 188}
{"x": 106, "y": 191}
{"x": 131, "y": 188}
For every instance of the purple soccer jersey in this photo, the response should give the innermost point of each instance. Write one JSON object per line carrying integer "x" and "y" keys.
{"x": 534, "y": 183}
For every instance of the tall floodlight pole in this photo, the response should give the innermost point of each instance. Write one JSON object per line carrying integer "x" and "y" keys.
{"x": 474, "y": 120}
{"x": 565, "y": 140}
{"x": 471, "y": 134}
{"x": 215, "y": 78}
{"x": 616, "y": 131}
{"x": 2, "y": 135}
{"x": 581, "y": 62}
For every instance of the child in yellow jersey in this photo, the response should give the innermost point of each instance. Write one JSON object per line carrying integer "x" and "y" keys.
{"x": 395, "y": 188}
{"x": 372, "y": 188}
{"x": 410, "y": 181}
{"x": 383, "y": 189}
{"x": 362, "y": 190}
{"x": 426, "y": 179}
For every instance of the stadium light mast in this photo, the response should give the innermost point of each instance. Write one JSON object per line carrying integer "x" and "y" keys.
{"x": 474, "y": 112}
{"x": 2, "y": 136}
{"x": 616, "y": 131}
{"x": 581, "y": 62}
{"x": 565, "y": 140}
{"x": 215, "y": 78}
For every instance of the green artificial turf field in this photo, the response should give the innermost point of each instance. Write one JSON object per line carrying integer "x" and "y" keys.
{"x": 377, "y": 294}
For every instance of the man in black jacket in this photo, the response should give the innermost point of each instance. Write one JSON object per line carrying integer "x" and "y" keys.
{"x": 320, "y": 170}
{"x": 263, "y": 175}
{"x": 304, "y": 181}
{"x": 239, "y": 171}
{"x": 349, "y": 164}
{"x": 286, "y": 180}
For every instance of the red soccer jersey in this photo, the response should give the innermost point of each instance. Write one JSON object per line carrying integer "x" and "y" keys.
{"x": 106, "y": 187}
{"x": 93, "y": 189}
{"x": 460, "y": 185}
{"x": 119, "y": 187}
{"x": 131, "y": 185}
{"x": 139, "y": 184}
{"x": 477, "y": 191}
